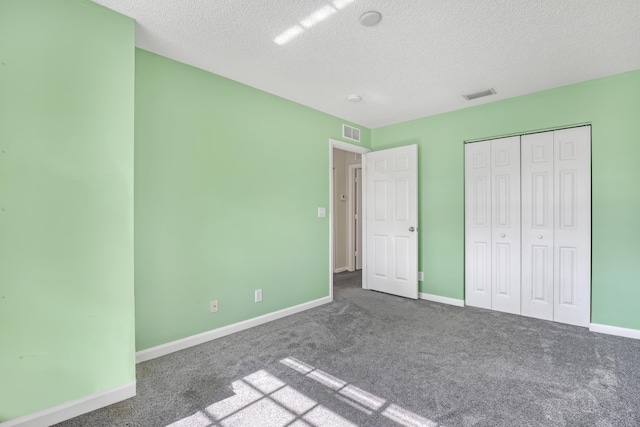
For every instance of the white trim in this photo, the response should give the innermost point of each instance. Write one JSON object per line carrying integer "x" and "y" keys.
{"x": 332, "y": 215}
{"x": 332, "y": 176}
{"x": 341, "y": 145}
{"x": 363, "y": 177}
{"x": 443, "y": 300}
{"x": 351, "y": 241}
{"x": 341, "y": 269}
{"x": 350, "y": 201}
{"x": 615, "y": 330}
{"x": 181, "y": 344}
{"x": 73, "y": 408}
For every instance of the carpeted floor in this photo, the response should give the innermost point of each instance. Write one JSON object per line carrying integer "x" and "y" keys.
{"x": 370, "y": 359}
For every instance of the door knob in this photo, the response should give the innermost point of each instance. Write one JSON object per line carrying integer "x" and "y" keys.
{"x": 540, "y": 236}
{"x": 502, "y": 235}
{"x": 412, "y": 229}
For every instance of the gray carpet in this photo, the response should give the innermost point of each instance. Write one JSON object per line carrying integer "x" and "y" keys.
{"x": 371, "y": 359}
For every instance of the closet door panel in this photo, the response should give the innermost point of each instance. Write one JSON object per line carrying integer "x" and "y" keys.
{"x": 572, "y": 226}
{"x": 537, "y": 225}
{"x": 505, "y": 196}
{"x": 478, "y": 224}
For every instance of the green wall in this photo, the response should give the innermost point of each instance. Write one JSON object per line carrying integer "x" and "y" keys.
{"x": 66, "y": 202}
{"x": 227, "y": 183}
{"x": 612, "y": 106}
{"x": 228, "y": 180}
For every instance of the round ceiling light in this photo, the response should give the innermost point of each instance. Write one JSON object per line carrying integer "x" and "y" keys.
{"x": 370, "y": 19}
{"x": 354, "y": 98}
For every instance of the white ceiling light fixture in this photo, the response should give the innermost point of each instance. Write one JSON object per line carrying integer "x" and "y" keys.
{"x": 354, "y": 98}
{"x": 369, "y": 19}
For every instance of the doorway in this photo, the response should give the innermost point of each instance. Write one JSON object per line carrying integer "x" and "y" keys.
{"x": 347, "y": 203}
{"x": 390, "y": 221}
{"x": 346, "y": 199}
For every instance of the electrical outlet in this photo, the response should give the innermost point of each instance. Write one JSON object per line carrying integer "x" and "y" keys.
{"x": 420, "y": 276}
{"x": 213, "y": 306}
{"x": 258, "y": 296}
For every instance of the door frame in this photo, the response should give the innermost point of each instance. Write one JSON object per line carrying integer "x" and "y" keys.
{"x": 345, "y": 146}
{"x": 351, "y": 240}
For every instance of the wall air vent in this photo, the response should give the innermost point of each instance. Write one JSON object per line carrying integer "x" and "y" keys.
{"x": 479, "y": 94}
{"x": 351, "y": 133}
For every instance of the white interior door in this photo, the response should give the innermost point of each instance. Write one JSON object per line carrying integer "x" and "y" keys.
{"x": 392, "y": 221}
{"x": 537, "y": 225}
{"x": 505, "y": 195}
{"x": 477, "y": 202}
{"x": 572, "y": 231}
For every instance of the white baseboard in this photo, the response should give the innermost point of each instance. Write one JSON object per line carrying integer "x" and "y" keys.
{"x": 181, "y": 344}
{"x": 443, "y": 300}
{"x": 73, "y": 408}
{"x": 615, "y": 330}
{"x": 341, "y": 269}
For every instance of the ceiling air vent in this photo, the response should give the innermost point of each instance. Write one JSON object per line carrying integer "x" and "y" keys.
{"x": 479, "y": 94}
{"x": 351, "y": 133}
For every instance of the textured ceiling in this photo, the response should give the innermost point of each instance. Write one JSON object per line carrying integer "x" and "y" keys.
{"x": 418, "y": 61}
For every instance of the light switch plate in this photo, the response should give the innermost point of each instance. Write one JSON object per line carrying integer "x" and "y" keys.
{"x": 322, "y": 212}
{"x": 420, "y": 276}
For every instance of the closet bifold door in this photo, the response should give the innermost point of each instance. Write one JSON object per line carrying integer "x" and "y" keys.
{"x": 556, "y": 225}
{"x": 505, "y": 197}
{"x": 492, "y": 224}
{"x": 537, "y": 225}
{"x": 477, "y": 199}
{"x": 572, "y": 226}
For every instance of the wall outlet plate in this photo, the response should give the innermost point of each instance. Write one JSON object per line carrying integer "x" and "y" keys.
{"x": 258, "y": 295}
{"x": 420, "y": 276}
{"x": 213, "y": 306}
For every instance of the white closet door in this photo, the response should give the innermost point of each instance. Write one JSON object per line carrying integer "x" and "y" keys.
{"x": 572, "y": 231}
{"x": 537, "y": 225}
{"x": 478, "y": 224}
{"x": 505, "y": 196}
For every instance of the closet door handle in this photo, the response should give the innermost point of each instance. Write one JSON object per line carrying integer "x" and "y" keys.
{"x": 502, "y": 235}
{"x": 540, "y": 236}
